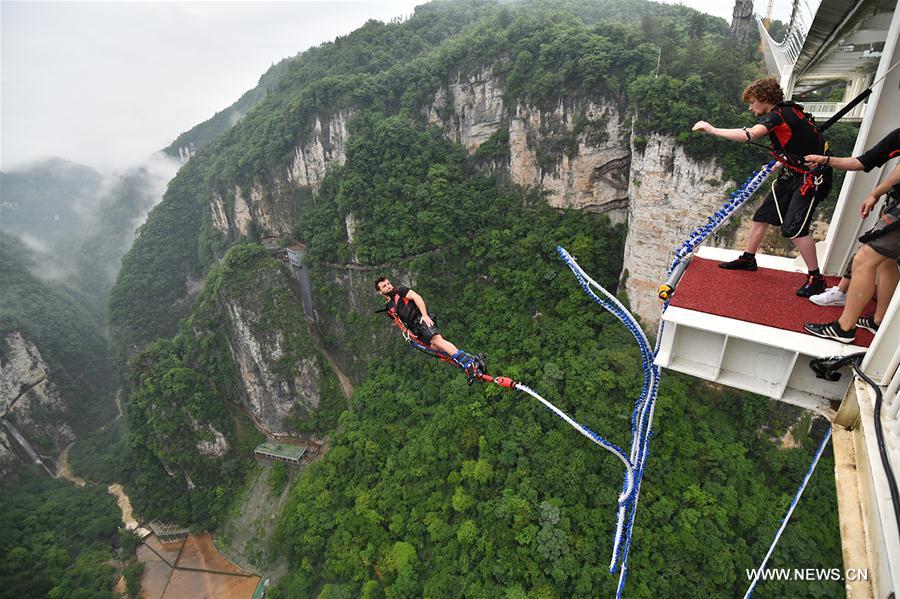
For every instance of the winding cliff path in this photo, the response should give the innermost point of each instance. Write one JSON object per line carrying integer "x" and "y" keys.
{"x": 369, "y": 267}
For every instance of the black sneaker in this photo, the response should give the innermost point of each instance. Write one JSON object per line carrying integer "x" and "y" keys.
{"x": 830, "y": 330}
{"x": 868, "y": 323}
{"x": 742, "y": 263}
{"x": 815, "y": 284}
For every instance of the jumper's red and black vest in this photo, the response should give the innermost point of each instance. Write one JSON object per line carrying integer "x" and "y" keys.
{"x": 793, "y": 132}
{"x": 403, "y": 308}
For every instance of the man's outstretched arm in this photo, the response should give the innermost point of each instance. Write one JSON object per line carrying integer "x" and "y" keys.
{"x": 420, "y": 304}
{"x": 742, "y": 135}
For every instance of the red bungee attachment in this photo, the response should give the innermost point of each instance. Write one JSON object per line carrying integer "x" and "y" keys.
{"x": 503, "y": 381}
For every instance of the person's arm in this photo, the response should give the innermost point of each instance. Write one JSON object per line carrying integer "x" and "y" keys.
{"x": 845, "y": 164}
{"x": 742, "y": 135}
{"x": 420, "y": 304}
{"x": 882, "y": 188}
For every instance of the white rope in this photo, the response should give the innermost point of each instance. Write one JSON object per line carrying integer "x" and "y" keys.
{"x": 629, "y": 471}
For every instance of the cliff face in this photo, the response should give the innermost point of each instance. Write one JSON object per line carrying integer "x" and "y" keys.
{"x": 273, "y": 385}
{"x": 580, "y": 154}
{"x": 29, "y": 399}
{"x": 250, "y": 317}
{"x": 327, "y": 143}
{"x": 577, "y": 153}
{"x": 669, "y": 195}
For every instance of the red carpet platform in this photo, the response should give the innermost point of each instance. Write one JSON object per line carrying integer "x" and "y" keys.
{"x": 763, "y": 297}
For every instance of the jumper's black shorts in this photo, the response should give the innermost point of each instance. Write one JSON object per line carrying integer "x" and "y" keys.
{"x": 888, "y": 244}
{"x": 425, "y": 333}
{"x": 788, "y": 208}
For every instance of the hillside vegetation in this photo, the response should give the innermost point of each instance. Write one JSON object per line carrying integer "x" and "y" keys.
{"x": 432, "y": 488}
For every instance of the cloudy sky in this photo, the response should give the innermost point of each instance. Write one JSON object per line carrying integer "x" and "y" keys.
{"x": 108, "y": 83}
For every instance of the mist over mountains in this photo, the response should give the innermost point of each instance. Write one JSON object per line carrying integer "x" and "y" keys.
{"x": 78, "y": 223}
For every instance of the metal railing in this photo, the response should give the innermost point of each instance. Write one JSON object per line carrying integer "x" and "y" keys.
{"x": 825, "y": 110}
{"x": 802, "y": 15}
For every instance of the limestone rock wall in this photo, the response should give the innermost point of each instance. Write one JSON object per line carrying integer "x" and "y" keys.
{"x": 669, "y": 194}
{"x": 30, "y": 400}
{"x": 327, "y": 143}
{"x": 271, "y": 389}
{"x": 577, "y": 153}
{"x": 470, "y": 110}
{"x": 594, "y": 177}
{"x": 270, "y": 208}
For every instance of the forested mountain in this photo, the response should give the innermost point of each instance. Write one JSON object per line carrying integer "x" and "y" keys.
{"x": 49, "y": 201}
{"x": 56, "y": 383}
{"x": 452, "y": 152}
{"x": 64, "y": 231}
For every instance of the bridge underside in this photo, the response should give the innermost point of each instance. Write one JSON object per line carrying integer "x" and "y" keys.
{"x": 842, "y": 45}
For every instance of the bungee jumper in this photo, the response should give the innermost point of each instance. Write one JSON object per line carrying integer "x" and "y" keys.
{"x": 798, "y": 190}
{"x": 408, "y": 311}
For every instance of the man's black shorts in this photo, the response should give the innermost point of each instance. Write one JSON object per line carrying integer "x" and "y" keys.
{"x": 788, "y": 208}
{"x": 424, "y": 333}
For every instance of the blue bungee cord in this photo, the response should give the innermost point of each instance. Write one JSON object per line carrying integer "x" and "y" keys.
{"x": 645, "y": 405}
{"x": 643, "y": 409}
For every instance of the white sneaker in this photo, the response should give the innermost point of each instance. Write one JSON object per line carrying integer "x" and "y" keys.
{"x": 830, "y": 297}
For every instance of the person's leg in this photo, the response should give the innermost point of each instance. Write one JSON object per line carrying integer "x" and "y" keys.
{"x": 815, "y": 282}
{"x": 747, "y": 260}
{"x": 807, "y": 248}
{"x": 758, "y": 232}
{"x": 862, "y": 286}
{"x": 797, "y": 211}
{"x": 886, "y": 278}
{"x": 844, "y": 285}
{"x": 438, "y": 343}
{"x": 765, "y": 216}
{"x": 835, "y": 296}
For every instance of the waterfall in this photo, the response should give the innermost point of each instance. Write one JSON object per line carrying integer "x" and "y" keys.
{"x": 24, "y": 444}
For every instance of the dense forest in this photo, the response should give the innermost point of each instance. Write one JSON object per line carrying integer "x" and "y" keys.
{"x": 57, "y": 540}
{"x": 430, "y": 487}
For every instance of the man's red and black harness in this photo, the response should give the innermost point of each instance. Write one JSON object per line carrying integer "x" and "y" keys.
{"x": 812, "y": 178}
